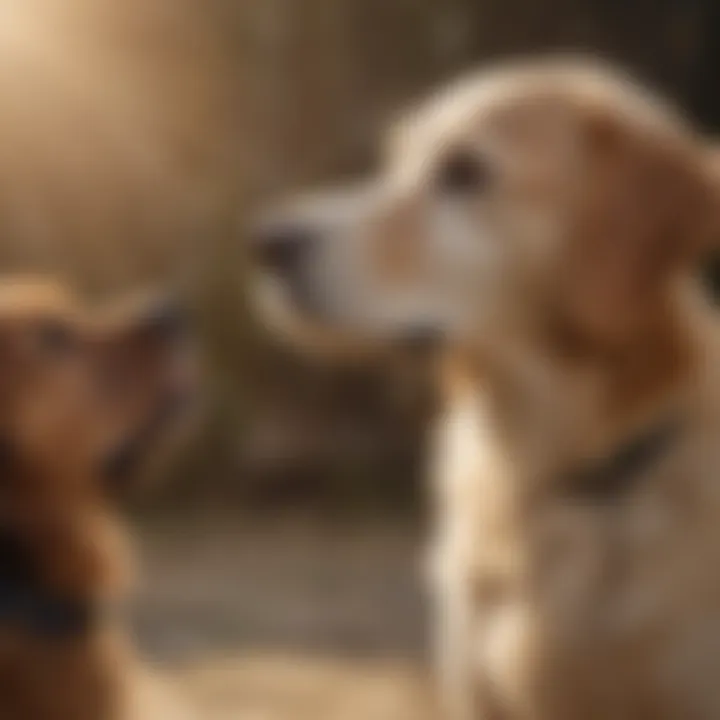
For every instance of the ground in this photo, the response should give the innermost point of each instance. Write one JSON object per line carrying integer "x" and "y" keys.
{"x": 286, "y": 620}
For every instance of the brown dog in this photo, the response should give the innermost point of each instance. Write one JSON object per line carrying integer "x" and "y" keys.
{"x": 544, "y": 220}
{"x": 85, "y": 401}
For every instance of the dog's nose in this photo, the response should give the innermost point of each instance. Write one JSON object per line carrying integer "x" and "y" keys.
{"x": 165, "y": 320}
{"x": 280, "y": 248}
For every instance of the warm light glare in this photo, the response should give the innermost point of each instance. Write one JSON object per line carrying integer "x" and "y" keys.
{"x": 105, "y": 134}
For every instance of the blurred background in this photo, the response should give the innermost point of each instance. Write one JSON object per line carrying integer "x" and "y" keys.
{"x": 136, "y": 138}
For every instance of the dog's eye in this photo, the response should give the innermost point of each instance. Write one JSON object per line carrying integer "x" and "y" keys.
{"x": 462, "y": 172}
{"x": 56, "y": 338}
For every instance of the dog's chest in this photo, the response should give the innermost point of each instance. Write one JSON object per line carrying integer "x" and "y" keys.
{"x": 607, "y": 592}
{"x": 475, "y": 488}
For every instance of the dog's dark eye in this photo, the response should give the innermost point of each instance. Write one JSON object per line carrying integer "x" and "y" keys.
{"x": 56, "y": 338}
{"x": 463, "y": 171}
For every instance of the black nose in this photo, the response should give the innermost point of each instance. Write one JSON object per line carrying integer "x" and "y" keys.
{"x": 280, "y": 248}
{"x": 164, "y": 320}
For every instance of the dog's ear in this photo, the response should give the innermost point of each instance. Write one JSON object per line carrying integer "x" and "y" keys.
{"x": 648, "y": 211}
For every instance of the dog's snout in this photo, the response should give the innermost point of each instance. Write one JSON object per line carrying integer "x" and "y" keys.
{"x": 281, "y": 248}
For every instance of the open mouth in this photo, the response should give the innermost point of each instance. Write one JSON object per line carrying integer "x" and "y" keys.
{"x": 293, "y": 290}
{"x": 277, "y": 302}
{"x": 131, "y": 454}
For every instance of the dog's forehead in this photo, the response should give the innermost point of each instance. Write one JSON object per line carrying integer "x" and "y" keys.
{"x": 552, "y": 95}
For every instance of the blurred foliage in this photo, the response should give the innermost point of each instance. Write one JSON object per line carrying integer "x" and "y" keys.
{"x": 134, "y": 146}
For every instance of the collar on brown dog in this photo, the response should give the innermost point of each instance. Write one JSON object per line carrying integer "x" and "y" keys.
{"x": 613, "y": 478}
{"x": 27, "y": 606}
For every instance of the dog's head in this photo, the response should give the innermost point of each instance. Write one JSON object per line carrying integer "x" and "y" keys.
{"x": 557, "y": 192}
{"x": 85, "y": 398}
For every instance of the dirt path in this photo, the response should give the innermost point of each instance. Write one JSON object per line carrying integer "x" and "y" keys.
{"x": 286, "y": 621}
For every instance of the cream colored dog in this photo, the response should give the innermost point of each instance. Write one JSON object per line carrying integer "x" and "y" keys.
{"x": 544, "y": 220}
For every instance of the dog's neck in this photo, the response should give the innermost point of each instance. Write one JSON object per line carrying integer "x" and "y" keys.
{"x": 30, "y": 607}
{"x": 64, "y": 547}
{"x": 550, "y": 405}
{"x": 60, "y": 575}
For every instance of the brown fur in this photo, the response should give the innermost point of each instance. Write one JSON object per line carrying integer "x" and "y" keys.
{"x": 74, "y": 385}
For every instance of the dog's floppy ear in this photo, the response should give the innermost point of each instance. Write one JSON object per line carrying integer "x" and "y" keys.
{"x": 648, "y": 211}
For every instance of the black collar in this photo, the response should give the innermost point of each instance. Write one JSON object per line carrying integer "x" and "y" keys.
{"x": 610, "y": 479}
{"x": 27, "y": 606}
